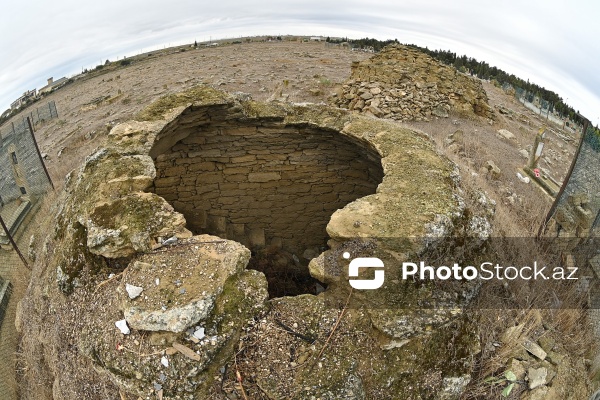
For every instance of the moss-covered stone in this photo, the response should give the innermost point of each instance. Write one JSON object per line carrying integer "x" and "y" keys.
{"x": 198, "y": 95}
{"x": 132, "y": 224}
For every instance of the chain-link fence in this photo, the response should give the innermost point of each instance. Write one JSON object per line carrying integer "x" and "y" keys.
{"x": 542, "y": 107}
{"x": 574, "y": 218}
{"x": 43, "y": 113}
{"x": 24, "y": 181}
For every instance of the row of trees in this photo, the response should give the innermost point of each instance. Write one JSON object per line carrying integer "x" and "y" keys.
{"x": 483, "y": 70}
{"x": 377, "y": 45}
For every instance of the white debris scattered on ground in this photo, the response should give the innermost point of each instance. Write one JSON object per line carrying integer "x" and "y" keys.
{"x": 122, "y": 325}
{"x": 199, "y": 333}
{"x": 133, "y": 291}
{"x": 524, "y": 179}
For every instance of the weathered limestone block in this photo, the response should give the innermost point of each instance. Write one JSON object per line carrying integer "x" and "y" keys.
{"x": 187, "y": 288}
{"x": 508, "y": 135}
{"x": 263, "y": 176}
{"x": 131, "y": 224}
{"x": 493, "y": 170}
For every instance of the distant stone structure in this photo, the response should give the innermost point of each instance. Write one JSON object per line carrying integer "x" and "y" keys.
{"x": 404, "y": 84}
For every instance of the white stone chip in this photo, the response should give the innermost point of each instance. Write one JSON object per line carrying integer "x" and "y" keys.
{"x": 524, "y": 179}
{"x": 133, "y": 291}
{"x": 164, "y": 361}
{"x": 199, "y": 333}
{"x": 122, "y": 325}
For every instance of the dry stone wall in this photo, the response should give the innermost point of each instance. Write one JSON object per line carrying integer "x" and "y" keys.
{"x": 404, "y": 84}
{"x": 261, "y": 185}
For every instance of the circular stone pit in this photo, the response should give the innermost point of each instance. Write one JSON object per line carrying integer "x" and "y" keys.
{"x": 268, "y": 184}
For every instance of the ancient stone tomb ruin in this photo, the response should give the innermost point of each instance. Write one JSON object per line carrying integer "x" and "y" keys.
{"x": 267, "y": 184}
{"x": 303, "y": 180}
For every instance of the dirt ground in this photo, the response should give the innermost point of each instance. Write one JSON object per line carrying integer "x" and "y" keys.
{"x": 303, "y": 72}
{"x": 90, "y": 106}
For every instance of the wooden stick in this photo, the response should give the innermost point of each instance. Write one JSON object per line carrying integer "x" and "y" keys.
{"x": 106, "y": 281}
{"x": 238, "y": 376}
{"x": 336, "y": 325}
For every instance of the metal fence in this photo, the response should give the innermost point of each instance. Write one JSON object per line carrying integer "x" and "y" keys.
{"x": 24, "y": 181}
{"x": 43, "y": 113}
{"x": 542, "y": 107}
{"x": 576, "y": 211}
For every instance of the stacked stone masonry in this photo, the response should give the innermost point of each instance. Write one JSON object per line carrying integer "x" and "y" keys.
{"x": 263, "y": 183}
{"x": 404, "y": 84}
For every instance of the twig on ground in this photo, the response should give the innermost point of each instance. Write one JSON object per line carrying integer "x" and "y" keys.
{"x": 336, "y": 325}
{"x": 238, "y": 377}
{"x": 107, "y": 281}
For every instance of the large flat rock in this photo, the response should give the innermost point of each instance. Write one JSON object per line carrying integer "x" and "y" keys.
{"x": 180, "y": 284}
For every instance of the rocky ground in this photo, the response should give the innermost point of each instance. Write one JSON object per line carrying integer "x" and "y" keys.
{"x": 310, "y": 72}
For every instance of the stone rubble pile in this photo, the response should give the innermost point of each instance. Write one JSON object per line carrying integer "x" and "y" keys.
{"x": 406, "y": 85}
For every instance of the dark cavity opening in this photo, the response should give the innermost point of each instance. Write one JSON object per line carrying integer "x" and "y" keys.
{"x": 270, "y": 186}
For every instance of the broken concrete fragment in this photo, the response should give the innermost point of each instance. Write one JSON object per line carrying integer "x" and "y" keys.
{"x": 199, "y": 333}
{"x": 122, "y": 325}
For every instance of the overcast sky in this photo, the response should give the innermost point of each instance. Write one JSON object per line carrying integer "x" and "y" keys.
{"x": 554, "y": 43}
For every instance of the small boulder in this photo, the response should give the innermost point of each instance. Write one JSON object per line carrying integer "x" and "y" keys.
{"x": 506, "y": 134}
{"x": 524, "y": 153}
{"x": 493, "y": 170}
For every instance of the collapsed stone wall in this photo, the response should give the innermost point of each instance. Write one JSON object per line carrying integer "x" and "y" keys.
{"x": 264, "y": 185}
{"x": 404, "y": 84}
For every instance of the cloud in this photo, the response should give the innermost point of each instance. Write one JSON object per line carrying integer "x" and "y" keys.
{"x": 551, "y": 42}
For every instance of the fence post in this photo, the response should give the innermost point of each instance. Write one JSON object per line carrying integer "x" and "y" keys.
{"x": 38, "y": 152}
{"x": 552, "y": 210}
{"x": 13, "y": 244}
